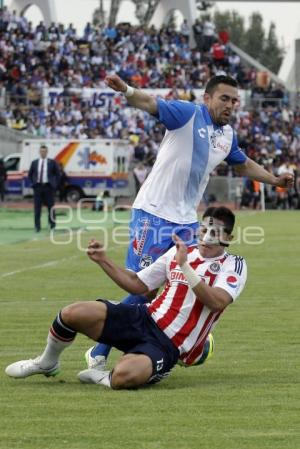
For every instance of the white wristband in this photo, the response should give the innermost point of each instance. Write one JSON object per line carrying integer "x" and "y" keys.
{"x": 129, "y": 91}
{"x": 190, "y": 275}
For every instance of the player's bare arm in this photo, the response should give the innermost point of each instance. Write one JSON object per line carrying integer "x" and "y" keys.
{"x": 215, "y": 298}
{"x": 139, "y": 99}
{"x": 126, "y": 279}
{"x": 255, "y": 171}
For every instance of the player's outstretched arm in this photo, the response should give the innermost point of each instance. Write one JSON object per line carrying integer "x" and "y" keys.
{"x": 128, "y": 280}
{"x": 137, "y": 99}
{"x": 258, "y": 173}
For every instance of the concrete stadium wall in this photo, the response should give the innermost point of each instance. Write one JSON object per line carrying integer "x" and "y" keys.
{"x": 47, "y": 8}
{"x": 188, "y": 9}
{"x": 225, "y": 188}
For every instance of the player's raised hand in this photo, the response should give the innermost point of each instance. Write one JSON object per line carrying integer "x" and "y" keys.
{"x": 285, "y": 180}
{"x": 116, "y": 83}
{"x": 95, "y": 250}
{"x": 181, "y": 253}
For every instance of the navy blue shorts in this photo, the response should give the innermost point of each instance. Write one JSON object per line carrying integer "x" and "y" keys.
{"x": 131, "y": 329}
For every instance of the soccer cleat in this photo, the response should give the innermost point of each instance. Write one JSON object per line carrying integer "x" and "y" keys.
{"x": 98, "y": 362}
{"x": 94, "y": 376}
{"x": 25, "y": 368}
{"x": 207, "y": 352}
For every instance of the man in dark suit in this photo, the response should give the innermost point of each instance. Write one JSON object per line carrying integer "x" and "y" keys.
{"x": 44, "y": 177}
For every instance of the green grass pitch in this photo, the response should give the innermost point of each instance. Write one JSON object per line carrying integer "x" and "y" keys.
{"x": 245, "y": 397}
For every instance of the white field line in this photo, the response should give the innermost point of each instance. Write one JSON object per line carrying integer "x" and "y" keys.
{"x": 48, "y": 264}
{"x": 37, "y": 267}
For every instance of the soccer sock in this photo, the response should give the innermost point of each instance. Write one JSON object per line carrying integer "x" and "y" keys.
{"x": 60, "y": 336}
{"x": 102, "y": 349}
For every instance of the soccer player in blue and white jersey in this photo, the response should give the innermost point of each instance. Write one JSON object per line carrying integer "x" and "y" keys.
{"x": 197, "y": 139}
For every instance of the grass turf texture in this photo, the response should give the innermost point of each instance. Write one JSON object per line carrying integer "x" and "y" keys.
{"x": 246, "y": 396}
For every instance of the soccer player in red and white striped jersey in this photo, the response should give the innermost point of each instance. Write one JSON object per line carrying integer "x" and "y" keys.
{"x": 187, "y": 315}
{"x": 200, "y": 281}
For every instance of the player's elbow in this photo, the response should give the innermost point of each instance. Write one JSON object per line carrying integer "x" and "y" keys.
{"x": 136, "y": 291}
{"x": 217, "y": 307}
{"x": 217, "y": 301}
{"x": 213, "y": 305}
{"x": 220, "y": 303}
{"x": 137, "y": 287}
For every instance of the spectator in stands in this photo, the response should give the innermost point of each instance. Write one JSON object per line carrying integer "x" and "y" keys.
{"x": 234, "y": 62}
{"x": 198, "y": 33}
{"x": 185, "y": 29}
{"x": 218, "y": 53}
{"x": 209, "y": 34}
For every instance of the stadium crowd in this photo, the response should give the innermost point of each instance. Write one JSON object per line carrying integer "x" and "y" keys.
{"x": 33, "y": 59}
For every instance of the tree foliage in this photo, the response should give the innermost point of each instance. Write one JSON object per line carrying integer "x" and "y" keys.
{"x": 255, "y": 37}
{"x": 253, "y": 40}
{"x": 233, "y": 23}
{"x": 273, "y": 53}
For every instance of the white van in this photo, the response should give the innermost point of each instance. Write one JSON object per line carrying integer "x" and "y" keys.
{"x": 91, "y": 166}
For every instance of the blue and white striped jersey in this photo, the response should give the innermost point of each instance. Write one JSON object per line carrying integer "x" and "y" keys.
{"x": 190, "y": 150}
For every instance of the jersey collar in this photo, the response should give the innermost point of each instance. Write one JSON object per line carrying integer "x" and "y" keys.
{"x": 213, "y": 259}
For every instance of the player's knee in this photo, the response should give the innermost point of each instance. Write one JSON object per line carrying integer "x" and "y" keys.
{"x": 131, "y": 372}
{"x": 70, "y": 314}
{"x": 121, "y": 377}
{"x": 124, "y": 377}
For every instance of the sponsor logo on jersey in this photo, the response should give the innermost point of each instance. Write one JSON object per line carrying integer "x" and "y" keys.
{"x": 232, "y": 281}
{"x": 146, "y": 261}
{"x": 218, "y": 142}
{"x": 177, "y": 276}
{"x": 214, "y": 267}
{"x": 138, "y": 243}
{"x": 221, "y": 146}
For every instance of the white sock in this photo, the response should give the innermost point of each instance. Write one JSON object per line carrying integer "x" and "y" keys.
{"x": 52, "y": 351}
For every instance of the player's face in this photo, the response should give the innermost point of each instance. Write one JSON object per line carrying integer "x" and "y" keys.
{"x": 221, "y": 103}
{"x": 43, "y": 152}
{"x": 211, "y": 234}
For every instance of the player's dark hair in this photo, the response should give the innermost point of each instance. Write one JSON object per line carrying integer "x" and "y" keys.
{"x": 219, "y": 79}
{"x": 223, "y": 214}
{"x": 43, "y": 146}
{"x": 209, "y": 211}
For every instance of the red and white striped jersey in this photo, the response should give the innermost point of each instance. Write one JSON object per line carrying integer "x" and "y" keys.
{"x": 177, "y": 310}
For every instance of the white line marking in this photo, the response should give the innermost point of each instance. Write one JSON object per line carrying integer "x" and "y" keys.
{"x": 37, "y": 267}
{"x": 48, "y": 264}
